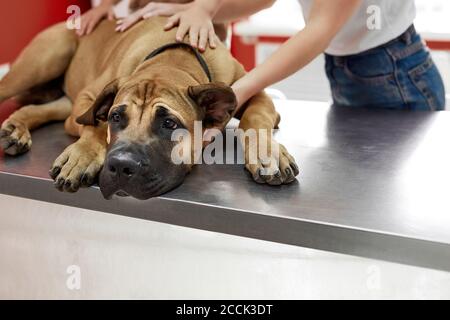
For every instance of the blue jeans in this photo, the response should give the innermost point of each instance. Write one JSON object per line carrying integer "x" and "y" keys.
{"x": 397, "y": 75}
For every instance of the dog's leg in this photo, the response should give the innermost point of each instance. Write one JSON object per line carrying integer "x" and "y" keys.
{"x": 279, "y": 166}
{"x": 44, "y": 59}
{"x": 15, "y": 137}
{"x": 78, "y": 166}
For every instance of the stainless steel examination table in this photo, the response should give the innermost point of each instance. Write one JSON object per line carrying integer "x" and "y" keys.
{"x": 372, "y": 184}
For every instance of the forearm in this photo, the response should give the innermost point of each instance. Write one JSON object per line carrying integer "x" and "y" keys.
{"x": 289, "y": 58}
{"x": 235, "y": 9}
{"x": 210, "y": 6}
{"x": 325, "y": 21}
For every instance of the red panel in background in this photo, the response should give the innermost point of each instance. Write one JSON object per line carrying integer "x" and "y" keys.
{"x": 7, "y": 108}
{"x": 243, "y": 52}
{"x": 21, "y": 20}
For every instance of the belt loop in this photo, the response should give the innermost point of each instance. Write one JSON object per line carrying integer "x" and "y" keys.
{"x": 339, "y": 61}
{"x": 329, "y": 59}
{"x": 408, "y": 35}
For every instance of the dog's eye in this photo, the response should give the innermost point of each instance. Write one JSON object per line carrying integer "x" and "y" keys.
{"x": 170, "y": 124}
{"x": 115, "y": 117}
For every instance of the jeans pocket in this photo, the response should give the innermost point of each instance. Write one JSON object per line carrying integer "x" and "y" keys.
{"x": 369, "y": 80}
{"x": 428, "y": 81}
{"x": 374, "y": 68}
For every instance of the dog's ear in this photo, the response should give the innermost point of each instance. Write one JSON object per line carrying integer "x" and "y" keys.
{"x": 216, "y": 99}
{"x": 100, "y": 109}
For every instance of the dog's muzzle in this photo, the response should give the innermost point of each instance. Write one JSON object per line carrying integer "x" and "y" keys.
{"x": 134, "y": 170}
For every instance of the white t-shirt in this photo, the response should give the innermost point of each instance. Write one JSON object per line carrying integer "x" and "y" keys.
{"x": 374, "y": 23}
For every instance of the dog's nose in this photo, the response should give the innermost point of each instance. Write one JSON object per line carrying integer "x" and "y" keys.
{"x": 123, "y": 165}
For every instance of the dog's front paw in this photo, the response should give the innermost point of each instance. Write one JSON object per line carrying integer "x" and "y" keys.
{"x": 15, "y": 138}
{"x": 277, "y": 168}
{"x": 78, "y": 166}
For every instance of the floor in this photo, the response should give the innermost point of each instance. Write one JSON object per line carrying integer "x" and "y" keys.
{"x": 51, "y": 251}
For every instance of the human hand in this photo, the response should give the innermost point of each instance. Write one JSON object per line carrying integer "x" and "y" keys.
{"x": 92, "y": 18}
{"x": 153, "y": 9}
{"x": 196, "y": 21}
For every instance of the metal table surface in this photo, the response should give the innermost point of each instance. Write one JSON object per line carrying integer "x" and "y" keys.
{"x": 372, "y": 184}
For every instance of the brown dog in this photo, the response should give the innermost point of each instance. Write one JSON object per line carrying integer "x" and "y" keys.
{"x": 124, "y": 108}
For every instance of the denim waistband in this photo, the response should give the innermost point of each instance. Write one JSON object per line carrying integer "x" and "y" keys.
{"x": 409, "y": 46}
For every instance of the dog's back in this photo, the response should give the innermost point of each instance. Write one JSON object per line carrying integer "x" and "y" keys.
{"x": 107, "y": 54}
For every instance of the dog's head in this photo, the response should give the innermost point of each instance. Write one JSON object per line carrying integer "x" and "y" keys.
{"x": 142, "y": 115}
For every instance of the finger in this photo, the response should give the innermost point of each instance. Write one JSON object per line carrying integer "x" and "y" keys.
{"x": 182, "y": 31}
{"x": 79, "y": 31}
{"x": 82, "y": 29}
{"x": 212, "y": 39}
{"x": 124, "y": 21}
{"x": 120, "y": 28}
{"x": 111, "y": 15}
{"x": 172, "y": 22}
{"x": 203, "y": 40}
{"x": 91, "y": 27}
{"x": 130, "y": 22}
{"x": 125, "y": 25}
{"x": 193, "y": 36}
{"x": 92, "y": 24}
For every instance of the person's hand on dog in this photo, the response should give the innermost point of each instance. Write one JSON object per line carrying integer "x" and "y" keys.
{"x": 92, "y": 18}
{"x": 197, "y": 22}
{"x": 153, "y": 9}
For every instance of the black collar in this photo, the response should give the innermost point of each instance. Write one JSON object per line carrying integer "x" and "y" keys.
{"x": 199, "y": 57}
